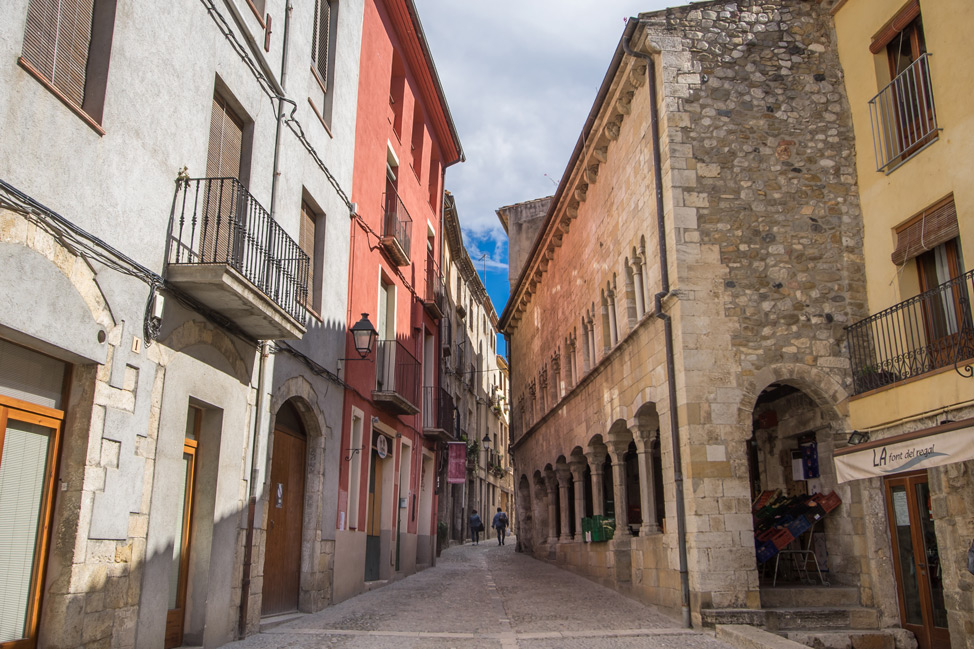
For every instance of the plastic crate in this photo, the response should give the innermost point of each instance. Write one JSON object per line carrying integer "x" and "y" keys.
{"x": 782, "y": 538}
{"x": 765, "y": 550}
{"x": 799, "y": 526}
{"x": 828, "y": 501}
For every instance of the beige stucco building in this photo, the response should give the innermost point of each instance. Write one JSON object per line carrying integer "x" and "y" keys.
{"x": 678, "y": 333}
{"x": 910, "y": 91}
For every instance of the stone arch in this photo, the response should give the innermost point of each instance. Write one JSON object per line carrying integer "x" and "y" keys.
{"x": 195, "y": 332}
{"x": 821, "y": 387}
{"x": 619, "y": 431}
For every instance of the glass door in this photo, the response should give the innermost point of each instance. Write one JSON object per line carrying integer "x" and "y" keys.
{"x": 29, "y": 437}
{"x": 917, "y": 560}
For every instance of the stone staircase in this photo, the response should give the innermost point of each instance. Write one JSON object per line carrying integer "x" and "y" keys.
{"x": 818, "y": 617}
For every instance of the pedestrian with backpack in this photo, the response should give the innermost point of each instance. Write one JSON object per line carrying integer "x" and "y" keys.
{"x": 476, "y": 527}
{"x": 500, "y": 524}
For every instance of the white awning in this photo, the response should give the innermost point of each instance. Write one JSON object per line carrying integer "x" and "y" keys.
{"x": 898, "y": 455}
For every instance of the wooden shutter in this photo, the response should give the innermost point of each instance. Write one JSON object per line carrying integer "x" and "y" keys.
{"x": 56, "y": 43}
{"x": 927, "y": 230}
{"x": 322, "y": 29}
{"x": 898, "y": 23}
{"x": 226, "y": 141}
{"x": 306, "y": 241}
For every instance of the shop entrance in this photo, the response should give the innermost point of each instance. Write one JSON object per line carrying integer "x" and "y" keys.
{"x": 916, "y": 560}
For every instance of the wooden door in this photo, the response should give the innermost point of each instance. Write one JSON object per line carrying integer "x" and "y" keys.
{"x": 29, "y": 439}
{"x": 916, "y": 560}
{"x": 946, "y": 312}
{"x": 282, "y": 559}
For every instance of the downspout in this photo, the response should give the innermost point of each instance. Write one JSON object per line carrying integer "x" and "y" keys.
{"x": 261, "y": 375}
{"x": 681, "y": 523}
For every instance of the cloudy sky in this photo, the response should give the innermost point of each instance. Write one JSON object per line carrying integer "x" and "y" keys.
{"x": 520, "y": 77}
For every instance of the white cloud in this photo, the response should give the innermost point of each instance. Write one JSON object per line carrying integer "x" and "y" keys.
{"x": 520, "y": 77}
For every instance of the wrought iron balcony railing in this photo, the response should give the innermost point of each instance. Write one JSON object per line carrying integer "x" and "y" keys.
{"x": 397, "y": 378}
{"x": 217, "y": 222}
{"x": 903, "y": 116}
{"x": 435, "y": 297}
{"x": 439, "y": 414}
{"x": 922, "y": 334}
{"x": 396, "y": 228}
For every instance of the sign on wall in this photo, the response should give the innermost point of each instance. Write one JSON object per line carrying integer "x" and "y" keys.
{"x": 456, "y": 472}
{"x": 880, "y": 459}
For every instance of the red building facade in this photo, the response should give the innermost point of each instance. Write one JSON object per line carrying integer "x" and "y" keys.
{"x": 393, "y": 417}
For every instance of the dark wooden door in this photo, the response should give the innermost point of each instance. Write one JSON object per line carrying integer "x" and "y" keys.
{"x": 282, "y": 559}
{"x": 222, "y": 197}
{"x": 916, "y": 560}
{"x": 373, "y": 519}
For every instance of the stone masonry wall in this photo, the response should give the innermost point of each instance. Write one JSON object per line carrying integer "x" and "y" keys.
{"x": 766, "y": 225}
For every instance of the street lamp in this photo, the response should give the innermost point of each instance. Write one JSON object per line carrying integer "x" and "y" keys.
{"x": 363, "y": 337}
{"x": 486, "y": 439}
{"x": 856, "y": 438}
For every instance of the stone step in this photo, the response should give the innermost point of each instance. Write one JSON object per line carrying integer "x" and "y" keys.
{"x": 822, "y": 617}
{"x": 791, "y": 596}
{"x": 853, "y": 639}
{"x": 749, "y": 637}
{"x": 796, "y": 618}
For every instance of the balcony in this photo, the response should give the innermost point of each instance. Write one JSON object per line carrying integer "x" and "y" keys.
{"x": 439, "y": 415}
{"x": 397, "y": 376}
{"x": 903, "y": 116}
{"x": 434, "y": 300}
{"x": 226, "y": 252}
{"x": 395, "y": 228}
{"x": 922, "y": 334}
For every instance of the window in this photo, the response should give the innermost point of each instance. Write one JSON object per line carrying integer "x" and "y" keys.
{"x": 67, "y": 46}
{"x": 931, "y": 238}
{"x": 419, "y": 130}
{"x": 321, "y": 41}
{"x": 903, "y": 115}
{"x": 397, "y": 91}
{"x": 309, "y": 240}
{"x": 323, "y": 56}
{"x": 434, "y": 181}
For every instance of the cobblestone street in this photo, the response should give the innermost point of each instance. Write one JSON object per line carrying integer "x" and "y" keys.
{"x": 486, "y": 596}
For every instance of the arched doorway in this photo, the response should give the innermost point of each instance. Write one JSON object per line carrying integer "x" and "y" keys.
{"x": 282, "y": 559}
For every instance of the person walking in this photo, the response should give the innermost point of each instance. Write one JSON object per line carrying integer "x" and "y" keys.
{"x": 476, "y": 527}
{"x": 500, "y": 523}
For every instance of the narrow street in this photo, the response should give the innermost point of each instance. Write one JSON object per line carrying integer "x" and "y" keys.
{"x": 486, "y": 596}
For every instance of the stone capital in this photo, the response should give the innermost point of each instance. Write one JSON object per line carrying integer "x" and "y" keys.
{"x": 596, "y": 459}
{"x": 617, "y": 449}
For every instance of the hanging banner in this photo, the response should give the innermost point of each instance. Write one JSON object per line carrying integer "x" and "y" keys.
{"x": 456, "y": 472}
{"x": 921, "y": 452}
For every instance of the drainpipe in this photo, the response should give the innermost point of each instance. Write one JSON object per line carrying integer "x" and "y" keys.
{"x": 681, "y": 523}
{"x": 261, "y": 371}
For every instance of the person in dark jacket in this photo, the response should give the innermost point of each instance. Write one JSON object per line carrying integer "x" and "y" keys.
{"x": 500, "y": 523}
{"x": 476, "y": 525}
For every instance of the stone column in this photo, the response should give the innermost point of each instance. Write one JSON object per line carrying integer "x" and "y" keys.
{"x": 551, "y": 483}
{"x": 637, "y": 277}
{"x": 577, "y": 468}
{"x": 617, "y": 451}
{"x": 563, "y": 474}
{"x": 645, "y": 441}
{"x": 596, "y": 462}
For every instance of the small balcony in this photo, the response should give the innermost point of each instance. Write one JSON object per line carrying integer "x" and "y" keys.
{"x": 396, "y": 227}
{"x": 226, "y": 252}
{"x": 397, "y": 375}
{"x": 922, "y": 334}
{"x": 434, "y": 300}
{"x": 439, "y": 414}
{"x": 903, "y": 116}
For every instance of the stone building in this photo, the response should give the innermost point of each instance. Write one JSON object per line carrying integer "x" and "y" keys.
{"x": 909, "y": 87}
{"x": 169, "y": 339}
{"x": 677, "y": 327}
{"x": 476, "y": 380}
